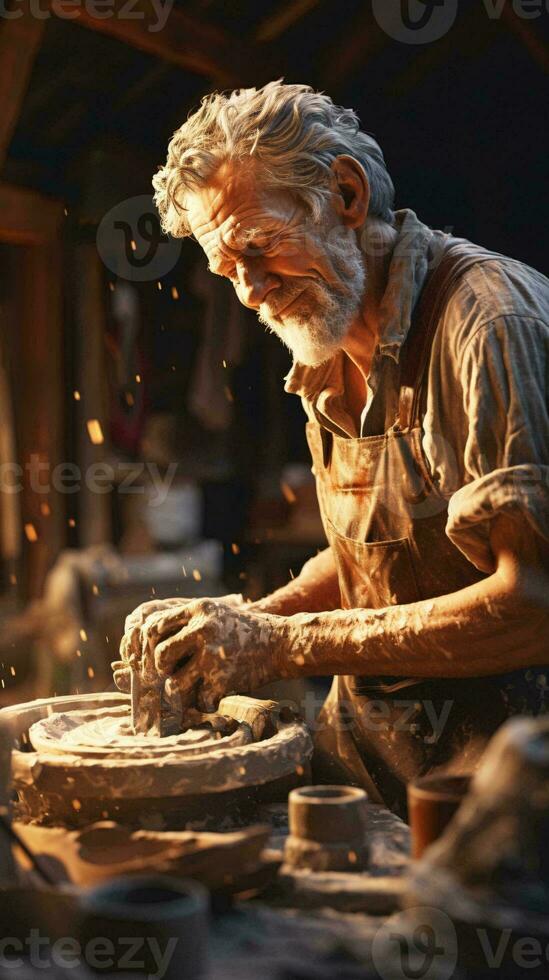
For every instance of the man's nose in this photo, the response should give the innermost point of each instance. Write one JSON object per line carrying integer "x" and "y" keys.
{"x": 254, "y": 282}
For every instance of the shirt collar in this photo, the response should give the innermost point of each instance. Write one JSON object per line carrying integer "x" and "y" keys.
{"x": 407, "y": 272}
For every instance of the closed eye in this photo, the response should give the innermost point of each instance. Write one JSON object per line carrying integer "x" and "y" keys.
{"x": 223, "y": 263}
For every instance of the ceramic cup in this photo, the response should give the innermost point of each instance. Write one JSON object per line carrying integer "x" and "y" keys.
{"x": 432, "y": 802}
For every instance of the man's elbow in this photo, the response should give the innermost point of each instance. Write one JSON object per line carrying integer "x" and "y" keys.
{"x": 525, "y": 587}
{"x": 522, "y": 565}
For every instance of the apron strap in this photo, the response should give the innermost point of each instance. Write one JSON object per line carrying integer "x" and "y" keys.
{"x": 455, "y": 259}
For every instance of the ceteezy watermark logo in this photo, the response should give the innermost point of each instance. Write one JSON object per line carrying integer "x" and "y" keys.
{"x": 421, "y": 944}
{"x": 101, "y": 478}
{"x": 131, "y": 244}
{"x": 418, "y": 946}
{"x": 424, "y": 21}
{"x": 155, "y": 20}
{"x": 415, "y": 21}
{"x": 141, "y": 955}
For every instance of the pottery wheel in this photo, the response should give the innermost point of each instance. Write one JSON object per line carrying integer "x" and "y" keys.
{"x": 82, "y": 760}
{"x": 107, "y": 732}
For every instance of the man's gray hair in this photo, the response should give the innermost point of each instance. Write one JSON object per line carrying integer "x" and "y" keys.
{"x": 292, "y": 133}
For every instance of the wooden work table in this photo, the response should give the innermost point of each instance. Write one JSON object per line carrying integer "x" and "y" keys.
{"x": 303, "y": 926}
{"x": 291, "y": 933}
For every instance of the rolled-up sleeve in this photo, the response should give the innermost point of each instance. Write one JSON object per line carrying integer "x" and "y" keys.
{"x": 504, "y": 374}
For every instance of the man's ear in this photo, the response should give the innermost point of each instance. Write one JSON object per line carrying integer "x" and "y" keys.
{"x": 351, "y": 188}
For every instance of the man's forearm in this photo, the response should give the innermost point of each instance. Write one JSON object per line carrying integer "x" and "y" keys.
{"x": 481, "y": 630}
{"x": 315, "y": 589}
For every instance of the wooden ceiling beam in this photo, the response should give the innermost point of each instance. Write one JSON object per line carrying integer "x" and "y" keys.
{"x": 20, "y": 39}
{"x": 276, "y": 24}
{"x": 183, "y": 40}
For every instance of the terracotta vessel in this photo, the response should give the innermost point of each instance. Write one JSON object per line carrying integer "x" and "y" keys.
{"x": 432, "y": 803}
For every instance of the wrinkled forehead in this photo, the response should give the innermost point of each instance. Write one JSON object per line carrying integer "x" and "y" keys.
{"x": 234, "y": 206}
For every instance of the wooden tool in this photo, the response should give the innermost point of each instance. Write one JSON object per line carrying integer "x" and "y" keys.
{"x": 261, "y": 716}
{"x": 150, "y": 712}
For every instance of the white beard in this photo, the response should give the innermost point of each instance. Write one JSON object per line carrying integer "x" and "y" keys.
{"x": 315, "y": 328}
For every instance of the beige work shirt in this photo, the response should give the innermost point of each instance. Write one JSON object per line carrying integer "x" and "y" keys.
{"x": 486, "y": 426}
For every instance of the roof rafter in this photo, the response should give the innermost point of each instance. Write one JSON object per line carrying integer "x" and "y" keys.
{"x": 183, "y": 40}
{"x": 277, "y": 23}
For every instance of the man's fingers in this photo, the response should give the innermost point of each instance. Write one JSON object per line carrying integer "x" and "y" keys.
{"x": 207, "y": 699}
{"x": 142, "y": 612}
{"x": 159, "y": 628}
{"x": 165, "y": 622}
{"x": 171, "y": 651}
{"x": 139, "y": 644}
{"x": 123, "y": 679}
{"x": 130, "y": 647}
{"x": 185, "y": 683}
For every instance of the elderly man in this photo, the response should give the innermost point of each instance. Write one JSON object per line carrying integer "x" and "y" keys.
{"x": 422, "y": 362}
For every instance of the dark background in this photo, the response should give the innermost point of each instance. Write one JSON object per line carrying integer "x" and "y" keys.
{"x": 462, "y": 121}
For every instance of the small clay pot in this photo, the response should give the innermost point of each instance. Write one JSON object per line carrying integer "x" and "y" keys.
{"x": 432, "y": 802}
{"x": 159, "y": 914}
{"x": 327, "y": 828}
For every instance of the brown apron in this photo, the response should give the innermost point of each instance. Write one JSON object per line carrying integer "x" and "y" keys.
{"x": 385, "y": 521}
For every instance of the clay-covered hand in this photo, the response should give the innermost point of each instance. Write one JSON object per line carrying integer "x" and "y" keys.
{"x": 217, "y": 648}
{"x": 152, "y": 621}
